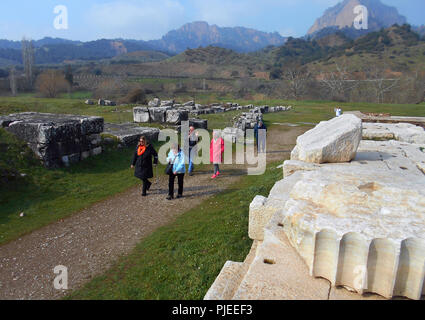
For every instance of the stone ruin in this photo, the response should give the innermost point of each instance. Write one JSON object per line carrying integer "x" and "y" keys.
{"x": 57, "y": 139}
{"x": 101, "y": 102}
{"x": 350, "y": 209}
{"x": 160, "y": 115}
{"x": 248, "y": 120}
{"x": 128, "y": 134}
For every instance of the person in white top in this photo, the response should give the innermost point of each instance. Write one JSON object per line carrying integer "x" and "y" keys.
{"x": 338, "y": 111}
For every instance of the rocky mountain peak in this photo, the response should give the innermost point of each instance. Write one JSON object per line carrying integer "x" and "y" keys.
{"x": 342, "y": 16}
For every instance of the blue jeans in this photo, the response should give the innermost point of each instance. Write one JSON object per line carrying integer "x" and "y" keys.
{"x": 191, "y": 165}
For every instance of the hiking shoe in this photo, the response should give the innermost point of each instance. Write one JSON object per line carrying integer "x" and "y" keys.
{"x": 148, "y": 186}
{"x": 169, "y": 198}
{"x": 214, "y": 176}
{"x": 179, "y": 196}
{"x": 217, "y": 174}
{"x": 144, "y": 194}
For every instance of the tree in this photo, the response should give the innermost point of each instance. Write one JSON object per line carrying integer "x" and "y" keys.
{"x": 297, "y": 77}
{"x": 69, "y": 75}
{"x": 338, "y": 82}
{"x": 380, "y": 82}
{"x": 136, "y": 95}
{"x": 51, "y": 82}
{"x": 110, "y": 87}
{"x": 12, "y": 79}
{"x": 28, "y": 60}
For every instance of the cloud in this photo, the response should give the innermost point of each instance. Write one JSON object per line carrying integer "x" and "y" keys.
{"x": 137, "y": 20}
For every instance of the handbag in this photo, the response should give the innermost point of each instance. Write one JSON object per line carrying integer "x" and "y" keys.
{"x": 169, "y": 168}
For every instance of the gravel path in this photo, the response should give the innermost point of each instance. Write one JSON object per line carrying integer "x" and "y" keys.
{"x": 88, "y": 242}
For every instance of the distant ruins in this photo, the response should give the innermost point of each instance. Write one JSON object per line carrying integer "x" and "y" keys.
{"x": 61, "y": 140}
{"x": 169, "y": 112}
{"x": 350, "y": 209}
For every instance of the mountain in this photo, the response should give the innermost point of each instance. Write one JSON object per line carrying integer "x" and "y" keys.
{"x": 190, "y": 36}
{"x": 10, "y": 44}
{"x": 201, "y": 34}
{"x": 342, "y": 16}
{"x": 53, "y": 51}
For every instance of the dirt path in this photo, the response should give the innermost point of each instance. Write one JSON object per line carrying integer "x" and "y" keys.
{"x": 88, "y": 242}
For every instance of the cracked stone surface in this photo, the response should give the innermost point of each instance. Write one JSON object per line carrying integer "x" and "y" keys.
{"x": 359, "y": 225}
{"x": 57, "y": 139}
{"x": 129, "y": 133}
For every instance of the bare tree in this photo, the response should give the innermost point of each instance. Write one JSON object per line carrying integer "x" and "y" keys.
{"x": 297, "y": 78}
{"x": 12, "y": 79}
{"x": 380, "y": 82}
{"x": 51, "y": 82}
{"x": 109, "y": 87}
{"x": 28, "y": 60}
{"x": 418, "y": 88}
{"x": 338, "y": 82}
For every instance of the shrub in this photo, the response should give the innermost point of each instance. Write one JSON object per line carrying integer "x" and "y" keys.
{"x": 51, "y": 82}
{"x": 136, "y": 96}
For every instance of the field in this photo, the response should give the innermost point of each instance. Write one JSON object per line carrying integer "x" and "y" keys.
{"x": 48, "y": 195}
{"x": 179, "y": 261}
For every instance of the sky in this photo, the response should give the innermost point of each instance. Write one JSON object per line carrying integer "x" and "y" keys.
{"x": 151, "y": 19}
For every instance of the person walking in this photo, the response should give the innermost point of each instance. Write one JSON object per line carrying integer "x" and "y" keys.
{"x": 216, "y": 153}
{"x": 177, "y": 160}
{"x": 193, "y": 141}
{"x": 262, "y": 138}
{"x": 142, "y": 162}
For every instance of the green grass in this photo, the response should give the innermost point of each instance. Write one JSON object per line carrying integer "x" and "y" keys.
{"x": 78, "y": 95}
{"x": 220, "y": 120}
{"x": 182, "y": 259}
{"x": 306, "y": 113}
{"x": 314, "y": 112}
{"x": 46, "y": 196}
{"x": 26, "y": 103}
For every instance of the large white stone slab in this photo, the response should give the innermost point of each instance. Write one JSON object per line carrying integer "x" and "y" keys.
{"x": 331, "y": 141}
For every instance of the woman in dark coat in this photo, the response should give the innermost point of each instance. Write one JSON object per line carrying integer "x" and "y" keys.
{"x": 142, "y": 161}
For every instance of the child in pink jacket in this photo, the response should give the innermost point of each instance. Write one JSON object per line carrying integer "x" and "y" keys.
{"x": 216, "y": 153}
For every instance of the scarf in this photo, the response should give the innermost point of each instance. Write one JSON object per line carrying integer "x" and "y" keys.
{"x": 141, "y": 150}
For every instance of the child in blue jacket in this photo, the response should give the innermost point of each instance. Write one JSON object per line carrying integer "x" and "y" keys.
{"x": 176, "y": 157}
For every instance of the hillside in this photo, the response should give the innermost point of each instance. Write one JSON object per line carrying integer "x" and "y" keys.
{"x": 209, "y": 62}
{"x": 398, "y": 47}
{"x": 342, "y": 16}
